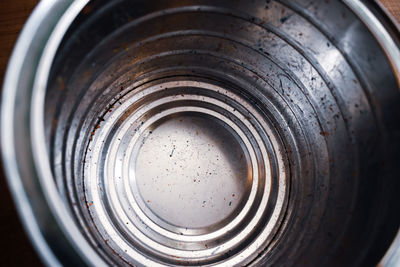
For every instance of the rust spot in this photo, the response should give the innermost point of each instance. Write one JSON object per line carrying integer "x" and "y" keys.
{"x": 87, "y": 9}
{"x": 61, "y": 82}
{"x": 125, "y": 47}
{"x": 55, "y": 121}
{"x": 324, "y": 133}
{"x": 219, "y": 47}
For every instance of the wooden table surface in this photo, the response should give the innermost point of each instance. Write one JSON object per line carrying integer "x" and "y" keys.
{"x": 15, "y": 250}
{"x": 392, "y": 7}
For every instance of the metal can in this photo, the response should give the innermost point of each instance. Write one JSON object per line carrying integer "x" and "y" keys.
{"x": 193, "y": 133}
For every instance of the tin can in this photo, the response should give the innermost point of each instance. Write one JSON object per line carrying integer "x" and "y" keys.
{"x": 193, "y": 133}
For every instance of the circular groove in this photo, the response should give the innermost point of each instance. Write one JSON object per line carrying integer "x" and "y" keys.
{"x": 134, "y": 121}
{"x": 284, "y": 113}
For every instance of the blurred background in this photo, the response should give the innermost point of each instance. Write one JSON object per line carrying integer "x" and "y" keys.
{"x": 15, "y": 248}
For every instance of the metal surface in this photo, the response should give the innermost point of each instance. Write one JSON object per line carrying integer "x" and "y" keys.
{"x": 154, "y": 133}
{"x": 380, "y": 33}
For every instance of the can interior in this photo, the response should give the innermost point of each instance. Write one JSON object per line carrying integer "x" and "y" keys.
{"x": 204, "y": 132}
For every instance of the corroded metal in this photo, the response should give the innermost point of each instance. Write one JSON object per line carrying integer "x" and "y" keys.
{"x": 215, "y": 133}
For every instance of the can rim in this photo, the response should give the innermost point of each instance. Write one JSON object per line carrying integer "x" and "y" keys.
{"x": 52, "y": 34}
{"x": 47, "y": 24}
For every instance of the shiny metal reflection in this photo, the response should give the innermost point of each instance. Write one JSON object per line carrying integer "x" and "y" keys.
{"x": 231, "y": 133}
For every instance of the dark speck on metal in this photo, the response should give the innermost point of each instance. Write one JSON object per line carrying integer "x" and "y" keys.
{"x": 205, "y": 133}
